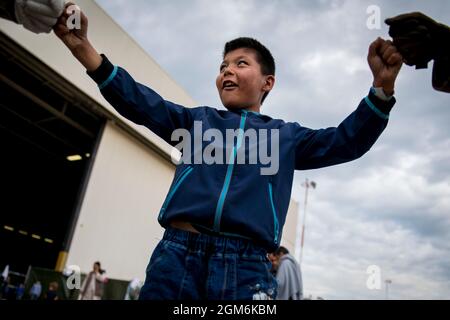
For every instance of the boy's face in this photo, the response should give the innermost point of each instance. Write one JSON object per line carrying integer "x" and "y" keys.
{"x": 240, "y": 83}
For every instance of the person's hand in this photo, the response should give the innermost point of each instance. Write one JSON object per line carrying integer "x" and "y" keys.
{"x": 385, "y": 62}
{"x": 72, "y": 38}
{"x": 76, "y": 39}
{"x": 419, "y": 38}
{"x": 38, "y": 16}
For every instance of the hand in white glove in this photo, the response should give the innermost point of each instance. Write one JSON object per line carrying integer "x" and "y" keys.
{"x": 39, "y": 16}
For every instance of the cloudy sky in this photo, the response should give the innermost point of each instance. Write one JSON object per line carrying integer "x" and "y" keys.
{"x": 392, "y": 207}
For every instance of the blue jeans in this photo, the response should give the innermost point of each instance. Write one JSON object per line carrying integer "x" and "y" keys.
{"x": 190, "y": 266}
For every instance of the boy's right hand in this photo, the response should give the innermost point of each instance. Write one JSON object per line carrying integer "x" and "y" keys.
{"x": 74, "y": 38}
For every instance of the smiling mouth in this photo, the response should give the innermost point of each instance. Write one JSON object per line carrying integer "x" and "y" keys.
{"x": 230, "y": 88}
{"x": 229, "y": 85}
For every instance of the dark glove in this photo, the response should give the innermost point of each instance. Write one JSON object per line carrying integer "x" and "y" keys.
{"x": 39, "y": 16}
{"x": 441, "y": 73}
{"x": 418, "y": 38}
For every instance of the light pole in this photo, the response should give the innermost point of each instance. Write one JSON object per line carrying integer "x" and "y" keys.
{"x": 300, "y": 240}
{"x": 388, "y": 282}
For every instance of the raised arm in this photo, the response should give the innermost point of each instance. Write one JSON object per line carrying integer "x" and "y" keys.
{"x": 359, "y": 131}
{"x": 134, "y": 101}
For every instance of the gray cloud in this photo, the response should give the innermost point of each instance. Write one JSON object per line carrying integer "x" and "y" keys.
{"x": 392, "y": 207}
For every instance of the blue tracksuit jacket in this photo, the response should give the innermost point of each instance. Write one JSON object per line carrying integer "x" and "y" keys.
{"x": 233, "y": 199}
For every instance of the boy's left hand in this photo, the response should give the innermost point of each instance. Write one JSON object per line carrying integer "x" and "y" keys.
{"x": 385, "y": 62}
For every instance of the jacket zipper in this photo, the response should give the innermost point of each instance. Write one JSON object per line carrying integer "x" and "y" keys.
{"x": 226, "y": 184}
{"x": 172, "y": 192}
{"x": 276, "y": 226}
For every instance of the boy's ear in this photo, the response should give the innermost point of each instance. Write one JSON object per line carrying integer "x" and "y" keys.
{"x": 269, "y": 83}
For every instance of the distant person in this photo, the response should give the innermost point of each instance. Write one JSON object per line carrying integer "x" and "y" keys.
{"x": 35, "y": 291}
{"x": 93, "y": 285}
{"x": 20, "y": 291}
{"x": 274, "y": 261}
{"x": 289, "y": 276}
{"x": 37, "y": 16}
{"x": 133, "y": 290}
{"x": 5, "y": 288}
{"x": 52, "y": 292}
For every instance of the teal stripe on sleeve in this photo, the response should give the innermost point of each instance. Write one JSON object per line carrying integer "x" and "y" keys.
{"x": 110, "y": 78}
{"x": 376, "y": 110}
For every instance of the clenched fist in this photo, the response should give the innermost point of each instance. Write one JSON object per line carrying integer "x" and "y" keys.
{"x": 385, "y": 62}
{"x": 72, "y": 38}
{"x": 76, "y": 39}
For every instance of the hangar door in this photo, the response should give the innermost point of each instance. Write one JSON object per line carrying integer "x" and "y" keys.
{"x": 48, "y": 136}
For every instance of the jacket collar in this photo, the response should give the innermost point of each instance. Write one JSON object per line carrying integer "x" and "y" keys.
{"x": 253, "y": 113}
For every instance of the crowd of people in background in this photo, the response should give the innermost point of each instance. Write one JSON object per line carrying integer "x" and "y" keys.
{"x": 14, "y": 288}
{"x": 8, "y": 291}
{"x": 284, "y": 267}
{"x": 92, "y": 287}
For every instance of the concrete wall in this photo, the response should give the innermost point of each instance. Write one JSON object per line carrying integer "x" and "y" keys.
{"x": 118, "y": 220}
{"x": 289, "y": 231}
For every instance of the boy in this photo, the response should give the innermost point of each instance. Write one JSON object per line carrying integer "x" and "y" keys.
{"x": 221, "y": 219}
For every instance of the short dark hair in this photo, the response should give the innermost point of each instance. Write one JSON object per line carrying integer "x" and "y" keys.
{"x": 99, "y": 267}
{"x": 281, "y": 250}
{"x": 263, "y": 55}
